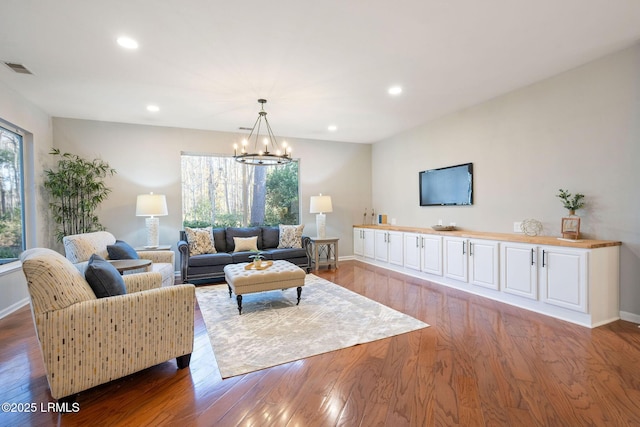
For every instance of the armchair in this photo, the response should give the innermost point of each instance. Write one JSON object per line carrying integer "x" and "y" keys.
{"x": 78, "y": 249}
{"x": 88, "y": 341}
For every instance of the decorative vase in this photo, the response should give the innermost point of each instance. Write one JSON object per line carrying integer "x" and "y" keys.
{"x": 257, "y": 262}
{"x": 572, "y": 212}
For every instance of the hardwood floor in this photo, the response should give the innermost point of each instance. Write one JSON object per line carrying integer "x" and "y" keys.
{"x": 480, "y": 363}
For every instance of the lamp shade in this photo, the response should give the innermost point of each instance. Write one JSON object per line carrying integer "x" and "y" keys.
{"x": 151, "y": 205}
{"x": 321, "y": 204}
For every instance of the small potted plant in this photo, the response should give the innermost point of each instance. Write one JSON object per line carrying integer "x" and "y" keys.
{"x": 257, "y": 259}
{"x": 571, "y": 202}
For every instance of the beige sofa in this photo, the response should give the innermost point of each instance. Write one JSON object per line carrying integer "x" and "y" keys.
{"x": 88, "y": 341}
{"x": 78, "y": 249}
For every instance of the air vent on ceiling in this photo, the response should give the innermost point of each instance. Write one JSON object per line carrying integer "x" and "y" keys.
{"x": 244, "y": 128}
{"x": 18, "y": 68}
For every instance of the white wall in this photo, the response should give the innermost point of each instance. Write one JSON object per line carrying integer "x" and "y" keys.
{"x": 579, "y": 131}
{"x": 20, "y": 114}
{"x": 147, "y": 158}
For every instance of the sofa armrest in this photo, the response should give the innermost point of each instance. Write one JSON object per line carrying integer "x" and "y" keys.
{"x": 93, "y": 342}
{"x": 183, "y": 248}
{"x": 139, "y": 282}
{"x": 158, "y": 256}
{"x": 306, "y": 244}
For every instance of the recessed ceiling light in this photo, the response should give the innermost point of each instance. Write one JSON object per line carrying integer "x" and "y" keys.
{"x": 127, "y": 42}
{"x": 332, "y": 128}
{"x": 153, "y": 108}
{"x": 395, "y": 90}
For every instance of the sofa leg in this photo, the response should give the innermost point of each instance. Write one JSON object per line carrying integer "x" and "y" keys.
{"x": 183, "y": 361}
{"x": 239, "y": 299}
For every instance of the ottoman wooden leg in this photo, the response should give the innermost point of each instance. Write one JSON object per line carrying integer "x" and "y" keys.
{"x": 299, "y": 289}
{"x": 229, "y": 290}
{"x": 239, "y": 299}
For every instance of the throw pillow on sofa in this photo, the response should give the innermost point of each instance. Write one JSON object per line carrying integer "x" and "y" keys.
{"x": 290, "y": 236}
{"x": 200, "y": 241}
{"x": 103, "y": 278}
{"x": 245, "y": 244}
{"x": 122, "y": 250}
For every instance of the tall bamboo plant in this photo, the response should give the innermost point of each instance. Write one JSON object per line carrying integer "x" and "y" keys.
{"x": 76, "y": 189}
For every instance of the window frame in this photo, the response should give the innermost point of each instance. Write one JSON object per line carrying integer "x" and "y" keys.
{"x": 14, "y": 263}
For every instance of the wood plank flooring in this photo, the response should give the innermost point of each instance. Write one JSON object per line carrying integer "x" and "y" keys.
{"x": 480, "y": 363}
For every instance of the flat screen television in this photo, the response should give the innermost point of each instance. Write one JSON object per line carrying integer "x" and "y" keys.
{"x": 450, "y": 186}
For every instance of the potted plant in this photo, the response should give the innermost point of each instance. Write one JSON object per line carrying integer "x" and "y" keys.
{"x": 257, "y": 259}
{"x": 76, "y": 189}
{"x": 571, "y": 202}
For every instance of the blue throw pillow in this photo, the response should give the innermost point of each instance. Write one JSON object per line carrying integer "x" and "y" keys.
{"x": 103, "y": 278}
{"x": 122, "y": 250}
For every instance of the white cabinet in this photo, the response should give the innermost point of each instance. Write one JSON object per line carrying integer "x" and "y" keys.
{"x": 431, "y": 254}
{"x": 483, "y": 263}
{"x": 358, "y": 241}
{"x": 423, "y": 252}
{"x": 412, "y": 251}
{"x": 363, "y": 242}
{"x": 455, "y": 258}
{"x": 519, "y": 269}
{"x": 563, "y": 277}
{"x": 578, "y": 283}
{"x": 369, "y": 243}
{"x": 388, "y": 246}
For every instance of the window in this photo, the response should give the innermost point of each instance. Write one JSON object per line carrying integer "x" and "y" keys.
{"x": 12, "y": 240}
{"x": 218, "y": 191}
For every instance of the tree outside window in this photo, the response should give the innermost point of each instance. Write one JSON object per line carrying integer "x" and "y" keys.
{"x": 11, "y": 213}
{"x": 220, "y": 192}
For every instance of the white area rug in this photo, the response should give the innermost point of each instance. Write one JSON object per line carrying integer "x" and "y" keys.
{"x": 272, "y": 330}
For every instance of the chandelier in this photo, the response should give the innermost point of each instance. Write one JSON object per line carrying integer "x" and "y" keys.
{"x": 261, "y": 156}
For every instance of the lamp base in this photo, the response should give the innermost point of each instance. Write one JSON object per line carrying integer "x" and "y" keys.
{"x": 153, "y": 232}
{"x": 321, "y": 225}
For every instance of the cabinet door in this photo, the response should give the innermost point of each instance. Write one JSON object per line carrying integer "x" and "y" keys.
{"x": 412, "y": 251}
{"x": 483, "y": 264}
{"x": 455, "y": 258}
{"x": 431, "y": 261}
{"x": 358, "y": 241}
{"x": 369, "y": 243}
{"x": 395, "y": 245}
{"x": 564, "y": 278}
{"x": 519, "y": 269}
{"x": 381, "y": 246}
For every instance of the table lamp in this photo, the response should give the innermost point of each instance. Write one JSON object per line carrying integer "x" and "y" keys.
{"x": 319, "y": 205}
{"x": 152, "y": 206}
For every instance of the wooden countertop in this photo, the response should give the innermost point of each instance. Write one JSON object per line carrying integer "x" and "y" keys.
{"x": 509, "y": 237}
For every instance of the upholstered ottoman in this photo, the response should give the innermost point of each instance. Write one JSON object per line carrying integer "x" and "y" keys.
{"x": 280, "y": 275}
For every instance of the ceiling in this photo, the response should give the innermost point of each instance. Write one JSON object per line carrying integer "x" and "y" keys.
{"x": 205, "y": 62}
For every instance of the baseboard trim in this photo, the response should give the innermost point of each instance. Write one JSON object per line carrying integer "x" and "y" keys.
{"x": 630, "y": 317}
{"x": 13, "y": 307}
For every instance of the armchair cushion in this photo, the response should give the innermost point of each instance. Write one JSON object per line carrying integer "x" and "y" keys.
{"x": 122, "y": 250}
{"x": 103, "y": 278}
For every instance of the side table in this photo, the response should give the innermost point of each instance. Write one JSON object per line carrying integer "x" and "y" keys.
{"x": 325, "y": 251}
{"x": 155, "y": 248}
{"x": 123, "y": 265}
